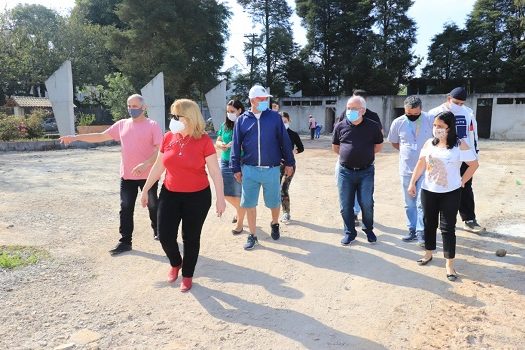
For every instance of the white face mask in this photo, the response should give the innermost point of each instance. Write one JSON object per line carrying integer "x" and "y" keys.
{"x": 455, "y": 109}
{"x": 176, "y": 126}
{"x": 439, "y": 133}
{"x": 232, "y": 116}
{"x": 286, "y": 125}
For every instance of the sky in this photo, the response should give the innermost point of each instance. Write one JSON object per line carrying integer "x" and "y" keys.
{"x": 430, "y": 16}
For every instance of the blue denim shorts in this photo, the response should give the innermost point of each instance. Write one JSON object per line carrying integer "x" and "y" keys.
{"x": 253, "y": 178}
{"x": 231, "y": 187}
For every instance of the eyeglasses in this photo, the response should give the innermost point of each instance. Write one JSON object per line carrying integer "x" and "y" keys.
{"x": 176, "y": 117}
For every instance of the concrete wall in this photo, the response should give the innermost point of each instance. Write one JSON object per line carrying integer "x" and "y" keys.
{"x": 153, "y": 93}
{"x": 507, "y": 122}
{"x": 24, "y": 146}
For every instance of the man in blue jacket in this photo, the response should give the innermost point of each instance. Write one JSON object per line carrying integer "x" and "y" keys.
{"x": 261, "y": 135}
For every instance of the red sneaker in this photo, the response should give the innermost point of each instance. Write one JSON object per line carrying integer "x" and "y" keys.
{"x": 185, "y": 284}
{"x": 173, "y": 274}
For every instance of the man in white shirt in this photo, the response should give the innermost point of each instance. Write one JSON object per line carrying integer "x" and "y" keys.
{"x": 467, "y": 130}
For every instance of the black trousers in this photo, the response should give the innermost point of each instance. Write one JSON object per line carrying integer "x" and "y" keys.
{"x": 312, "y": 133}
{"x": 467, "y": 205}
{"x": 441, "y": 208}
{"x": 190, "y": 208}
{"x": 128, "y": 195}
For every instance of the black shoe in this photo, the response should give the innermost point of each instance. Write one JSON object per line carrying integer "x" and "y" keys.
{"x": 371, "y": 237}
{"x": 453, "y": 276}
{"x": 120, "y": 248}
{"x": 275, "y": 231}
{"x": 423, "y": 261}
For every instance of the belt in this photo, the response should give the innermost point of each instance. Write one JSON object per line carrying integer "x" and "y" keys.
{"x": 356, "y": 169}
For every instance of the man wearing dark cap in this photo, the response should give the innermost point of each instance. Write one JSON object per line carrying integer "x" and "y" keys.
{"x": 466, "y": 129}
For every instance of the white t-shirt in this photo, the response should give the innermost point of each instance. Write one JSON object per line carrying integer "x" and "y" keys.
{"x": 466, "y": 125}
{"x": 443, "y": 167}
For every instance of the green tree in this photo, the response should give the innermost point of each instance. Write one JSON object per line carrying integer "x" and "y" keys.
{"x": 275, "y": 45}
{"x": 183, "y": 39}
{"x": 101, "y": 12}
{"x": 495, "y": 46}
{"x": 396, "y": 34}
{"x": 29, "y": 48}
{"x": 340, "y": 42}
{"x": 115, "y": 95}
{"x": 85, "y": 45}
{"x": 446, "y": 65}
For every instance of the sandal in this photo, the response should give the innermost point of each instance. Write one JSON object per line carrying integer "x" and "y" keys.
{"x": 422, "y": 262}
{"x": 237, "y": 232}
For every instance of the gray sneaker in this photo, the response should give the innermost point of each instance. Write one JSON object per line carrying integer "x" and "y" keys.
{"x": 420, "y": 239}
{"x": 410, "y": 236}
{"x": 473, "y": 226}
{"x": 285, "y": 218}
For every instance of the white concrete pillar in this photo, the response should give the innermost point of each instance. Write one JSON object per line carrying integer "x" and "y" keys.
{"x": 60, "y": 89}
{"x": 216, "y": 99}
{"x": 153, "y": 93}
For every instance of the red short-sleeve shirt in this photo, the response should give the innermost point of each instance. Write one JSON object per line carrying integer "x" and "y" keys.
{"x": 185, "y": 161}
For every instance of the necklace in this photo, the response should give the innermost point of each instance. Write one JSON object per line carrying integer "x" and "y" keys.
{"x": 182, "y": 144}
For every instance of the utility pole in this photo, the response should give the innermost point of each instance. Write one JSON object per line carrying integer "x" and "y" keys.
{"x": 251, "y": 37}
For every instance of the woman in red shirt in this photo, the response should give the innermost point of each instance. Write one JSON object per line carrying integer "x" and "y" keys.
{"x": 185, "y": 195}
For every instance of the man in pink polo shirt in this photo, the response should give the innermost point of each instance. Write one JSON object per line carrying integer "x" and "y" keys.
{"x": 139, "y": 138}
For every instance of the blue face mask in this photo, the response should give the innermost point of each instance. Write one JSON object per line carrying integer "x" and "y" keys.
{"x": 263, "y": 105}
{"x": 135, "y": 112}
{"x": 352, "y": 115}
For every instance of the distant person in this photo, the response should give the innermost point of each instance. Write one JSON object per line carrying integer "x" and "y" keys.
{"x": 232, "y": 188}
{"x": 372, "y": 116}
{"x": 139, "y": 138}
{"x": 356, "y": 140}
{"x": 318, "y": 131}
{"x": 312, "y": 125}
{"x": 262, "y": 137}
{"x": 275, "y": 106}
{"x": 408, "y": 134}
{"x": 185, "y": 198}
{"x": 467, "y": 130}
{"x": 442, "y": 157}
{"x": 297, "y": 147}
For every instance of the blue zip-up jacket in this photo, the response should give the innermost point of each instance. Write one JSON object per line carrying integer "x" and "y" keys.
{"x": 264, "y": 141}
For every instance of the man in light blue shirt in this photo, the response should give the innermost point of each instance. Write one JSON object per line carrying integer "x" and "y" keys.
{"x": 408, "y": 134}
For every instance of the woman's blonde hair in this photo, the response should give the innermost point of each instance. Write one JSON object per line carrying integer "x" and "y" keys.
{"x": 190, "y": 110}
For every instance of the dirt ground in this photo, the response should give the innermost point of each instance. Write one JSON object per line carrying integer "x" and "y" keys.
{"x": 304, "y": 291}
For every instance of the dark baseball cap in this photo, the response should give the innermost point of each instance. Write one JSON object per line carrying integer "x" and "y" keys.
{"x": 458, "y": 93}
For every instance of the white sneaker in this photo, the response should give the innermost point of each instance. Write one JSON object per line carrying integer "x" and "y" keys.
{"x": 285, "y": 218}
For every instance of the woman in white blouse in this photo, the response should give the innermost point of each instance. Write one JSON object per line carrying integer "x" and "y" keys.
{"x": 440, "y": 160}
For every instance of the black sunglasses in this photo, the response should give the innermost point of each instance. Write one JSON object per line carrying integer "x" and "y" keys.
{"x": 175, "y": 116}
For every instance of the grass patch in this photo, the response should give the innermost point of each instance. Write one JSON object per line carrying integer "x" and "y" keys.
{"x": 16, "y": 256}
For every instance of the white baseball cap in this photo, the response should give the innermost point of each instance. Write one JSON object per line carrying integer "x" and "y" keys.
{"x": 258, "y": 91}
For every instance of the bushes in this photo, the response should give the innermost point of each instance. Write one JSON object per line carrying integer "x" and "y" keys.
{"x": 10, "y": 127}
{"x": 85, "y": 119}
{"x": 16, "y": 127}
